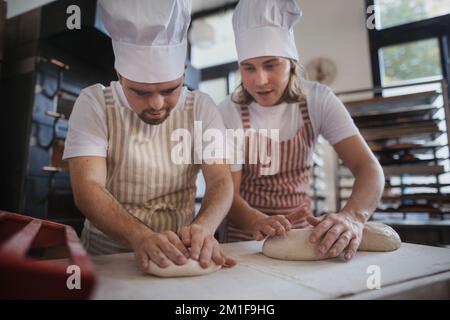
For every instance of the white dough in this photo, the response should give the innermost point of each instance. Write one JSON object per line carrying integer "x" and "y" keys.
{"x": 292, "y": 246}
{"x": 189, "y": 269}
{"x": 295, "y": 245}
{"x": 379, "y": 237}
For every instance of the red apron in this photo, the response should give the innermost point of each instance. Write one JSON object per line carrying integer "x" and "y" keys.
{"x": 288, "y": 189}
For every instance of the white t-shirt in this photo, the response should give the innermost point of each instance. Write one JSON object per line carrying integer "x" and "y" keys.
{"x": 328, "y": 115}
{"x": 88, "y": 132}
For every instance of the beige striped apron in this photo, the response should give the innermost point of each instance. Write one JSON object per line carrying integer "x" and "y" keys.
{"x": 288, "y": 189}
{"x": 141, "y": 175}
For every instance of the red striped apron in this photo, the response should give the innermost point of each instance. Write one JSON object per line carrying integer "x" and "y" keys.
{"x": 288, "y": 189}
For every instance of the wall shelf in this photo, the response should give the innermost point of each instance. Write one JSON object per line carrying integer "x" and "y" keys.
{"x": 409, "y": 136}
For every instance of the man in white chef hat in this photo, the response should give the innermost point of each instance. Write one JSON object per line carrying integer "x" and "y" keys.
{"x": 133, "y": 194}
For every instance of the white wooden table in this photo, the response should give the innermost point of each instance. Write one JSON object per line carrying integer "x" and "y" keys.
{"x": 413, "y": 271}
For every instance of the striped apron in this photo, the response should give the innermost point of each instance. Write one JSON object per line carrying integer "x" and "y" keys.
{"x": 285, "y": 191}
{"x": 141, "y": 175}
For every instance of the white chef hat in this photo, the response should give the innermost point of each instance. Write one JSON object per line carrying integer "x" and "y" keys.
{"x": 265, "y": 28}
{"x": 148, "y": 37}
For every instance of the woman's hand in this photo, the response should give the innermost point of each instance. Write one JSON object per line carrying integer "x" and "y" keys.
{"x": 299, "y": 219}
{"x": 337, "y": 233}
{"x": 278, "y": 225}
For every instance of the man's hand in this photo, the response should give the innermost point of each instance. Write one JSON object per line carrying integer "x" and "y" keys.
{"x": 204, "y": 246}
{"x": 279, "y": 225}
{"x": 160, "y": 248}
{"x": 338, "y": 232}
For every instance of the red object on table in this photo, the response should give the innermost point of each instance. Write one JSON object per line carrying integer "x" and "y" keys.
{"x": 22, "y": 277}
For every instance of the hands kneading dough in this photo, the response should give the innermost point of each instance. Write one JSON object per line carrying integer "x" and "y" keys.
{"x": 295, "y": 245}
{"x": 189, "y": 269}
{"x": 195, "y": 252}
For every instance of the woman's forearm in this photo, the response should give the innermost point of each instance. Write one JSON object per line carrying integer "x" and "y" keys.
{"x": 367, "y": 191}
{"x": 242, "y": 215}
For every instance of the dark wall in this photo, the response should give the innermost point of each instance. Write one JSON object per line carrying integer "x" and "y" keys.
{"x": 15, "y": 119}
{"x": 28, "y": 85}
{"x": 2, "y": 30}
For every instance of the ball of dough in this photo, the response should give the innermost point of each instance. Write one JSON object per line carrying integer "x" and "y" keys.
{"x": 379, "y": 237}
{"x": 295, "y": 245}
{"x": 189, "y": 269}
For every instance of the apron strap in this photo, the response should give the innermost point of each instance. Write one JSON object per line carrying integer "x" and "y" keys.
{"x": 109, "y": 98}
{"x": 304, "y": 112}
{"x": 245, "y": 115}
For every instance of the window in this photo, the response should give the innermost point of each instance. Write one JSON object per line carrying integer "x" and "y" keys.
{"x": 411, "y": 41}
{"x": 212, "y": 40}
{"x": 410, "y": 61}
{"x": 216, "y": 88}
{"x": 396, "y": 12}
{"x": 410, "y": 53}
{"x": 213, "y": 52}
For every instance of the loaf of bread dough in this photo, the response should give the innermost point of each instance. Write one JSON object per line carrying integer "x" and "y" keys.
{"x": 379, "y": 237}
{"x": 295, "y": 245}
{"x": 189, "y": 269}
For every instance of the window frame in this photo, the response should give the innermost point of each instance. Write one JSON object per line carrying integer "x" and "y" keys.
{"x": 436, "y": 27}
{"x": 221, "y": 70}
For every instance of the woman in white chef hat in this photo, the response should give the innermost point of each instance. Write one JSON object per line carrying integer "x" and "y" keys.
{"x": 134, "y": 194}
{"x": 273, "y": 95}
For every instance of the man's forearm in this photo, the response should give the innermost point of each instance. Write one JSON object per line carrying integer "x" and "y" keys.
{"x": 366, "y": 193}
{"x": 106, "y": 213}
{"x": 216, "y": 203}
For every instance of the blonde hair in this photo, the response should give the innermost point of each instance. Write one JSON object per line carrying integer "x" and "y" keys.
{"x": 294, "y": 92}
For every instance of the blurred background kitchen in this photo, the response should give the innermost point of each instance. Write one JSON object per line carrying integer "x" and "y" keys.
{"x": 388, "y": 60}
